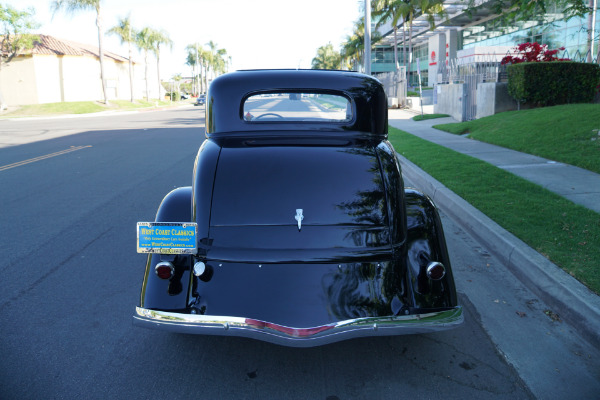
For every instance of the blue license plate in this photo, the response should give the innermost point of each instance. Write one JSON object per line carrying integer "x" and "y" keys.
{"x": 167, "y": 237}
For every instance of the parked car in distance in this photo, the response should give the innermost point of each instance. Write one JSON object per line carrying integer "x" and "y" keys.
{"x": 183, "y": 96}
{"x": 297, "y": 228}
{"x": 200, "y": 100}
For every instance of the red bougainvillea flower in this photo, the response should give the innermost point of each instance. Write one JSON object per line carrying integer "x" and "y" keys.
{"x": 532, "y": 52}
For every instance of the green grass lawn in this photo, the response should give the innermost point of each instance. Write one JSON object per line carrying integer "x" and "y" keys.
{"x": 83, "y": 107}
{"x": 566, "y": 233}
{"x": 330, "y": 102}
{"x": 74, "y": 107}
{"x": 567, "y": 133}
{"x": 428, "y": 116}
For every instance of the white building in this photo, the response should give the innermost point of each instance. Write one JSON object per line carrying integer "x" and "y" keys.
{"x": 467, "y": 36}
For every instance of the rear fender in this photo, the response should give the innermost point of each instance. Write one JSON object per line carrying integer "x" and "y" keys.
{"x": 426, "y": 243}
{"x": 171, "y": 294}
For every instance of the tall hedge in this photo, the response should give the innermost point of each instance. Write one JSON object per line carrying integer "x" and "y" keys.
{"x": 553, "y": 83}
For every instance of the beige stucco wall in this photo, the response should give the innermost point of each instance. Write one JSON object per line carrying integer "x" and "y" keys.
{"x": 121, "y": 81}
{"x": 112, "y": 74}
{"x": 81, "y": 79}
{"x": 140, "y": 81}
{"x": 17, "y": 82}
{"x": 47, "y": 78}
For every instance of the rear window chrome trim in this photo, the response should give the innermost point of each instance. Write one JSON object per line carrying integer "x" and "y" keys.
{"x": 321, "y": 122}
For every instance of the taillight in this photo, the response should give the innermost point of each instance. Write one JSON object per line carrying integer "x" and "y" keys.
{"x": 436, "y": 270}
{"x": 164, "y": 270}
{"x": 203, "y": 271}
{"x": 199, "y": 268}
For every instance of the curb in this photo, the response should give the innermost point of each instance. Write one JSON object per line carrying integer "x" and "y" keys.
{"x": 568, "y": 297}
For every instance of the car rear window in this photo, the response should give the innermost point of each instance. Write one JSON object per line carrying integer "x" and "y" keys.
{"x": 297, "y": 107}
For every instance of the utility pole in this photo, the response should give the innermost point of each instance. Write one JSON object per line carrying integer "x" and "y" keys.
{"x": 368, "y": 37}
{"x": 594, "y": 7}
{"x": 197, "y": 77}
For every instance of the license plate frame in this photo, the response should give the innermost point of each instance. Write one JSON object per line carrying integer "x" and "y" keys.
{"x": 167, "y": 237}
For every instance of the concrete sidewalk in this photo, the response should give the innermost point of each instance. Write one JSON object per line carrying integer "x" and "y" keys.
{"x": 574, "y": 302}
{"x": 576, "y": 184}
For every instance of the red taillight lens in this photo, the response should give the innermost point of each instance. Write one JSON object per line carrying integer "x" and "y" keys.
{"x": 294, "y": 332}
{"x": 164, "y": 270}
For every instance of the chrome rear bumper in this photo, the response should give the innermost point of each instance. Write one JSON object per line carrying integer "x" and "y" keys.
{"x": 298, "y": 337}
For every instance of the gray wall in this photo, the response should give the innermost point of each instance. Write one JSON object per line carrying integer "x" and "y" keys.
{"x": 449, "y": 100}
{"x": 486, "y": 99}
{"x": 493, "y": 98}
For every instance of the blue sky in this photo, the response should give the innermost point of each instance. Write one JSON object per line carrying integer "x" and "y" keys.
{"x": 255, "y": 33}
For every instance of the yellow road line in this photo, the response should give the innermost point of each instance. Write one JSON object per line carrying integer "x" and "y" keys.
{"x": 32, "y": 160}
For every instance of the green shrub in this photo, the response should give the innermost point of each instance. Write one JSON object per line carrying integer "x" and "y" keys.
{"x": 174, "y": 96}
{"x": 553, "y": 83}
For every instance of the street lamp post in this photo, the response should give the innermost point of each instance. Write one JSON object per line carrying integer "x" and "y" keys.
{"x": 368, "y": 37}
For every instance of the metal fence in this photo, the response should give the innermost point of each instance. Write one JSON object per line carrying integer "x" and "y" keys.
{"x": 586, "y": 57}
{"x": 395, "y": 84}
{"x": 488, "y": 68}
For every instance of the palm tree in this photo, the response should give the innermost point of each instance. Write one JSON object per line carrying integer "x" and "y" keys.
{"x": 385, "y": 10}
{"x": 193, "y": 60}
{"x": 203, "y": 56}
{"x": 159, "y": 38}
{"x": 177, "y": 79}
{"x": 221, "y": 61}
{"x": 143, "y": 41}
{"x": 327, "y": 58}
{"x": 72, "y": 6}
{"x": 210, "y": 57}
{"x": 353, "y": 47}
{"x": 410, "y": 9}
{"x": 350, "y": 52}
{"x": 125, "y": 32}
{"x": 215, "y": 59}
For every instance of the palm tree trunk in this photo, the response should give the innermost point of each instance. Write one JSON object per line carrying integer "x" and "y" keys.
{"x": 158, "y": 68}
{"x": 395, "y": 49}
{"x": 404, "y": 45}
{"x": 409, "y": 50}
{"x": 206, "y": 78}
{"x": 197, "y": 78}
{"x": 590, "y": 33}
{"x": 101, "y": 52}
{"x": 130, "y": 70}
{"x": 194, "y": 77}
{"x": 146, "y": 74}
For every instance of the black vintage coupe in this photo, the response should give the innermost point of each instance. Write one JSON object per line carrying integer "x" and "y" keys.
{"x": 297, "y": 228}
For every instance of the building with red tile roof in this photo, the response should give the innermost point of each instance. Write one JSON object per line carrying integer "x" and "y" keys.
{"x": 57, "y": 70}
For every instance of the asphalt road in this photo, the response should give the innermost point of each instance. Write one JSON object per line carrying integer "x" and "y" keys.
{"x": 70, "y": 198}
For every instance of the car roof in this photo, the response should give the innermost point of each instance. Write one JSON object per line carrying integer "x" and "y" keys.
{"x": 227, "y": 93}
